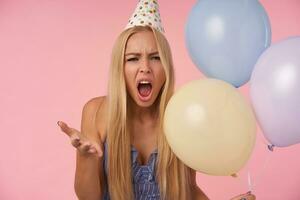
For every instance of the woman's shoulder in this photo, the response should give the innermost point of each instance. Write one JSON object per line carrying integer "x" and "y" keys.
{"x": 95, "y": 102}
{"x": 97, "y": 107}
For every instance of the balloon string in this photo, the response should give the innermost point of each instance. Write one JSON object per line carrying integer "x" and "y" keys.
{"x": 251, "y": 183}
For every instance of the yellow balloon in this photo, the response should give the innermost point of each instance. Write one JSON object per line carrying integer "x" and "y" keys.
{"x": 210, "y": 127}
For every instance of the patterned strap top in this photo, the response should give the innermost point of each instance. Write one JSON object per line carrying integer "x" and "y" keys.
{"x": 143, "y": 176}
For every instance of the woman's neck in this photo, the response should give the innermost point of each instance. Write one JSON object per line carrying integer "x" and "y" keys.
{"x": 143, "y": 114}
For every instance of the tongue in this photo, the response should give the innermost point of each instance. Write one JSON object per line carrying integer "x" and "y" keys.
{"x": 145, "y": 89}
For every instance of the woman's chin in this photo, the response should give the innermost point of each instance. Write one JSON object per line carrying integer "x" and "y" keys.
{"x": 144, "y": 104}
{"x": 145, "y": 101}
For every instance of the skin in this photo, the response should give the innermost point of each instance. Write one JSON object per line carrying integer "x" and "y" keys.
{"x": 141, "y": 60}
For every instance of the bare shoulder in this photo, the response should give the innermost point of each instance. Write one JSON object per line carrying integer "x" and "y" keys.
{"x": 93, "y": 116}
{"x": 95, "y": 103}
{"x": 92, "y": 105}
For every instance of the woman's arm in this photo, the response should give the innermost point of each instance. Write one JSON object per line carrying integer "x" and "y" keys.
{"x": 89, "y": 168}
{"x": 197, "y": 193}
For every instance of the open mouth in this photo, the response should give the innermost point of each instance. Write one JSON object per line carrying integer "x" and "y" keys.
{"x": 144, "y": 90}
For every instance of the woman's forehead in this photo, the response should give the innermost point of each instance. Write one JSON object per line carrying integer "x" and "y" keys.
{"x": 141, "y": 42}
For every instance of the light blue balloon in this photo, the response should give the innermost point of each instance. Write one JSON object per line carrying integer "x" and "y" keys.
{"x": 226, "y": 37}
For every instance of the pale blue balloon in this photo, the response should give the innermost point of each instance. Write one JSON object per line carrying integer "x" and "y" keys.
{"x": 226, "y": 37}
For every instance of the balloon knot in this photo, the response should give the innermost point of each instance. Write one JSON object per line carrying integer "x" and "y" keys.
{"x": 271, "y": 147}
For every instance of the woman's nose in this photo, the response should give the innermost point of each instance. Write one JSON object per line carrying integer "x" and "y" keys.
{"x": 145, "y": 70}
{"x": 145, "y": 67}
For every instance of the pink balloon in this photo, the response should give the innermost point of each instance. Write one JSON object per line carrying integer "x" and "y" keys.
{"x": 275, "y": 92}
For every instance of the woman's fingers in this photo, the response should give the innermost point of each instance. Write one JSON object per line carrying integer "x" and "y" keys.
{"x": 251, "y": 197}
{"x": 90, "y": 147}
{"x": 79, "y": 141}
{"x": 92, "y": 150}
{"x": 66, "y": 129}
{"x": 247, "y": 196}
{"x": 84, "y": 147}
{"x": 98, "y": 150}
{"x": 74, "y": 135}
{"x": 75, "y": 140}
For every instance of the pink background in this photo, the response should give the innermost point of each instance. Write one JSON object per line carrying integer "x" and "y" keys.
{"x": 54, "y": 56}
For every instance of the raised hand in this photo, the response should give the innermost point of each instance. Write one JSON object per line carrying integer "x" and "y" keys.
{"x": 80, "y": 141}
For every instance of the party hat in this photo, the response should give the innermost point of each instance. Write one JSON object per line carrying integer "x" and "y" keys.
{"x": 146, "y": 13}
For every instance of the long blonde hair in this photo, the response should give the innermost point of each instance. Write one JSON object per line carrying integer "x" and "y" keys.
{"x": 172, "y": 175}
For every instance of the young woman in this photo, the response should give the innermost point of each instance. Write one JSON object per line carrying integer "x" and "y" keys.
{"x": 122, "y": 152}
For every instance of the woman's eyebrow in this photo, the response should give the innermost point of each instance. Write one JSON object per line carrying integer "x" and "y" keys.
{"x": 138, "y": 54}
{"x": 134, "y": 54}
{"x": 153, "y": 53}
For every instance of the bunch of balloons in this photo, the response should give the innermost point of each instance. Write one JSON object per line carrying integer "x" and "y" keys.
{"x": 208, "y": 124}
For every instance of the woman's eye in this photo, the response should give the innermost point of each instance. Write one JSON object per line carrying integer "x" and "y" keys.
{"x": 132, "y": 59}
{"x": 156, "y": 58}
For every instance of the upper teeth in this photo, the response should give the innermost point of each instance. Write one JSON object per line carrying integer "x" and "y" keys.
{"x": 144, "y": 82}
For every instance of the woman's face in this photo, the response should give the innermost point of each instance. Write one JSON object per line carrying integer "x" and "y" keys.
{"x": 144, "y": 73}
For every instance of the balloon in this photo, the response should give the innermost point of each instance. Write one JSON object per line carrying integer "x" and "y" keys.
{"x": 225, "y": 38}
{"x": 275, "y": 92}
{"x": 210, "y": 127}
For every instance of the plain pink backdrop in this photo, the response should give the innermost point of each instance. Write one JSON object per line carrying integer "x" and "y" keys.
{"x": 54, "y": 56}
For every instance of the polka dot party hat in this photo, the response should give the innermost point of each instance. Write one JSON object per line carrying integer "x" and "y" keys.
{"x": 146, "y": 13}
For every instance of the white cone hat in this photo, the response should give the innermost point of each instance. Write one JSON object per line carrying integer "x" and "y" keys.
{"x": 146, "y": 14}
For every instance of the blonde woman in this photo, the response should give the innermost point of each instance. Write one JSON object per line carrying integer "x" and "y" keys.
{"x": 122, "y": 152}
